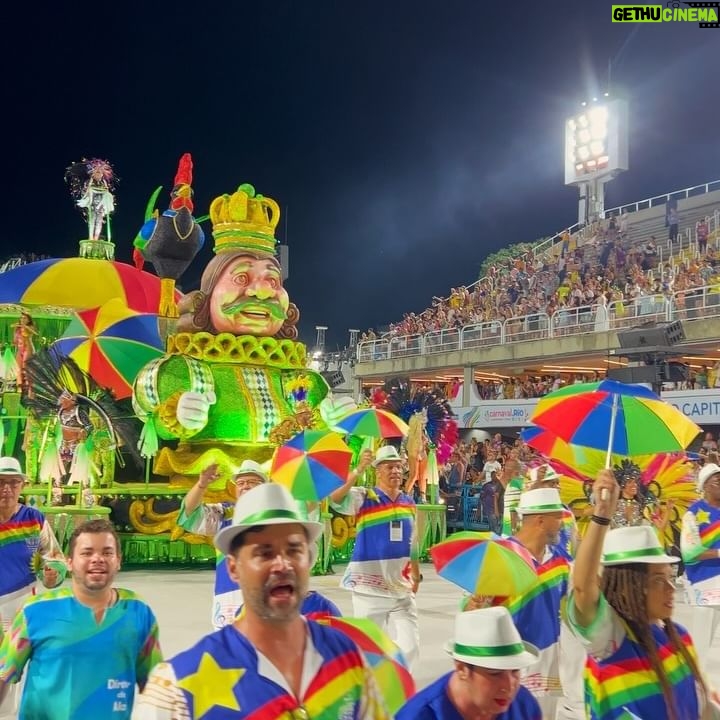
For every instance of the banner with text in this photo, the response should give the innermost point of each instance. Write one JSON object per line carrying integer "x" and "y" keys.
{"x": 701, "y": 406}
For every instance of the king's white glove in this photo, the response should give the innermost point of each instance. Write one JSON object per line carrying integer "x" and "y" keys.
{"x": 193, "y": 409}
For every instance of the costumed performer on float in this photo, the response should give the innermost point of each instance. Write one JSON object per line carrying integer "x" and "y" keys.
{"x": 76, "y": 428}
{"x": 23, "y": 333}
{"x": 92, "y": 184}
{"x": 234, "y": 383}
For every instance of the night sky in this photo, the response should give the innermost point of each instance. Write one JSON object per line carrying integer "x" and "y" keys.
{"x": 403, "y": 140}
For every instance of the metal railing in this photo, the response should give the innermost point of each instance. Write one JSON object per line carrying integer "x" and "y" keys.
{"x": 683, "y": 194}
{"x": 686, "y": 305}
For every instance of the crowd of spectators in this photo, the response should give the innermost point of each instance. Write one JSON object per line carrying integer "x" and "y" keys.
{"x": 22, "y": 259}
{"x": 595, "y": 269}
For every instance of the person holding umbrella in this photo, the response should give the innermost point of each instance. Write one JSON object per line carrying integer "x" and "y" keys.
{"x": 640, "y": 663}
{"x": 536, "y": 612}
{"x": 488, "y": 656}
{"x": 383, "y": 573}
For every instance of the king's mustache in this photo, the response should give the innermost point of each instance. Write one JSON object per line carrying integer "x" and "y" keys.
{"x": 272, "y": 308}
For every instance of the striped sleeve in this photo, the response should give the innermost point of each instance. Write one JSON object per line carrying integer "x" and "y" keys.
{"x": 15, "y": 650}
{"x": 691, "y": 545}
{"x": 161, "y": 699}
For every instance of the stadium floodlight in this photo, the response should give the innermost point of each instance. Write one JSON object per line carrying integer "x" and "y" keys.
{"x": 596, "y": 150}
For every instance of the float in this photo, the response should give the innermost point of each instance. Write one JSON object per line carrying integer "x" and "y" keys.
{"x": 117, "y": 389}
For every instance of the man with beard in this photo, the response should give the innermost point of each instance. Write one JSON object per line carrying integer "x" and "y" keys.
{"x": 536, "y": 613}
{"x": 87, "y": 645}
{"x": 272, "y": 662}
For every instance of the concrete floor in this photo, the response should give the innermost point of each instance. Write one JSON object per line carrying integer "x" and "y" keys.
{"x": 181, "y": 601}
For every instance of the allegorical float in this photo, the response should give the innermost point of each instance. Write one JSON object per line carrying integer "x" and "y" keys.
{"x": 117, "y": 389}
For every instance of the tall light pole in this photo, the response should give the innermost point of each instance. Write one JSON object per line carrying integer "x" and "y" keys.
{"x": 596, "y": 151}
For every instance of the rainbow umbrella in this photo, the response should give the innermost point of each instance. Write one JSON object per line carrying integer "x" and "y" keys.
{"x": 312, "y": 464}
{"x": 81, "y": 283}
{"x": 574, "y": 461}
{"x": 484, "y": 564}
{"x": 620, "y": 419}
{"x": 373, "y": 422}
{"x": 382, "y": 655}
{"x": 112, "y": 344}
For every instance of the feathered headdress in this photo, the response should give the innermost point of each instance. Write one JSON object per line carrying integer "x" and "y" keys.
{"x": 398, "y": 397}
{"x": 48, "y": 375}
{"x": 79, "y": 174}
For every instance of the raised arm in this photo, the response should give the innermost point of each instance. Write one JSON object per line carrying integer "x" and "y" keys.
{"x": 366, "y": 458}
{"x": 195, "y": 495}
{"x": 586, "y": 590}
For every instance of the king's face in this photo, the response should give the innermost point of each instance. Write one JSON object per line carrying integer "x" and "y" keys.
{"x": 249, "y": 298}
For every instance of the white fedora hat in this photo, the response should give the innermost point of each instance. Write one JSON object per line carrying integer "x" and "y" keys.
{"x": 550, "y": 474}
{"x": 387, "y": 453}
{"x": 267, "y": 504}
{"x": 250, "y": 467}
{"x": 488, "y": 638}
{"x": 637, "y": 544}
{"x": 537, "y": 502}
{"x": 11, "y": 466}
{"x": 706, "y": 472}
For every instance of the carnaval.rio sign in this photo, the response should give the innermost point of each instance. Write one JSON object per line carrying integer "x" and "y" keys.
{"x": 701, "y": 406}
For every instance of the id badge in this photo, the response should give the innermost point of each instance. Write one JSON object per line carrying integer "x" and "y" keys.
{"x": 396, "y": 531}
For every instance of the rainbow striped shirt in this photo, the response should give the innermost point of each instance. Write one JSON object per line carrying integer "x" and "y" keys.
{"x": 384, "y": 544}
{"x": 619, "y": 679}
{"x": 536, "y": 613}
{"x": 20, "y": 538}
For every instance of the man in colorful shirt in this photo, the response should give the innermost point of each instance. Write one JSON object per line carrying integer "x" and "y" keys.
{"x": 383, "y": 573}
{"x": 25, "y": 535}
{"x": 89, "y": 645}
{"x": 536, "y": 613}
{"x": 700, "y": 548}
{"x": 272, "y": 663}
{"x": 207, "y": 519}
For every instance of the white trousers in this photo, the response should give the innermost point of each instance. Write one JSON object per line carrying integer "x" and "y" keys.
{"x": 396, "y": 616}
{"x": 705, "y": 628}
{"x": 572, "y": 665}
{"x": 9, "y": 605}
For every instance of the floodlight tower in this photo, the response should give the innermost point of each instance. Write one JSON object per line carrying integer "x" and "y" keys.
{"x": 320, "y": 338}
{"x": 596, "y": 151}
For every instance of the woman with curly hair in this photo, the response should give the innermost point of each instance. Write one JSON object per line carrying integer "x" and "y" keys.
{"x": 640, "y": 662}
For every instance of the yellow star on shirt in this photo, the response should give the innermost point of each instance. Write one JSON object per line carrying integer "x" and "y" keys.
{"x": 702, "y": 516}
{"x": 211, "y": 685}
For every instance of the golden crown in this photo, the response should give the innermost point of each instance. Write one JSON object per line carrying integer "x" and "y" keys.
{"x": 244, "y": 221}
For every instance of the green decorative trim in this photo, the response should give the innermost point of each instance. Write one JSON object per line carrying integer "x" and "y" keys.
{"x": 495, "y": 651}
{"x": 552, "y": 507}
{"x": 630, "y": 554}
{"x": 260, "y": 517}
